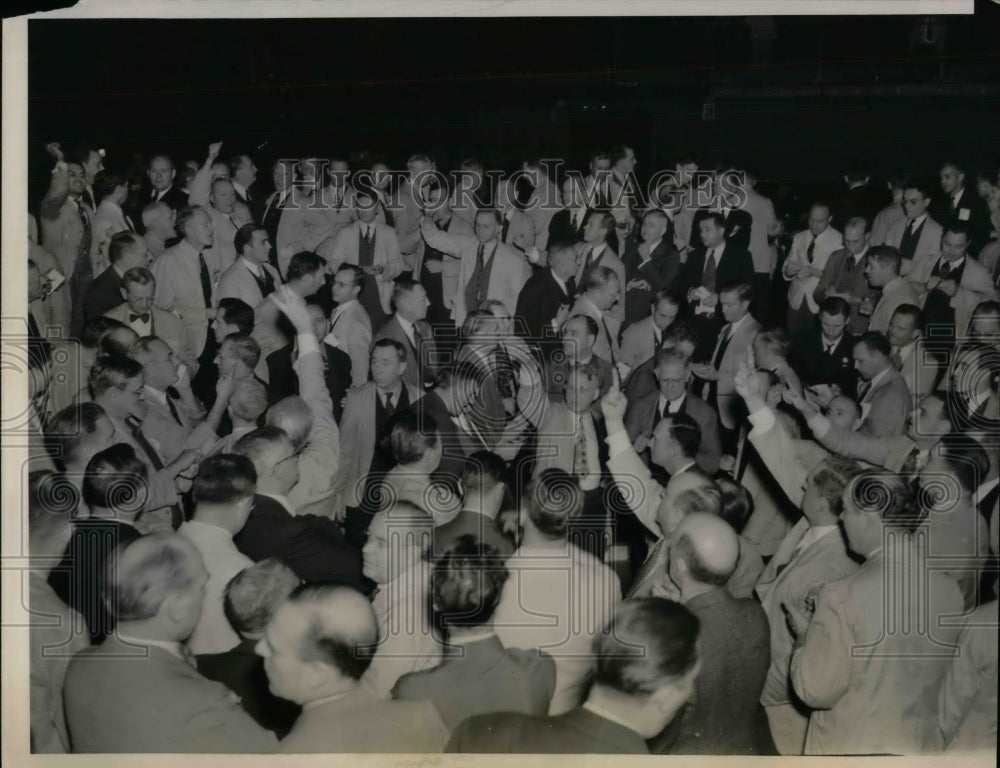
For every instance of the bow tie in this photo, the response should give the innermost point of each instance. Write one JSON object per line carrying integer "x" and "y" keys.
{"x": 132, "y": 317}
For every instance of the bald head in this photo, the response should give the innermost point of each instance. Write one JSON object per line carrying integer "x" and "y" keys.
{"x": 704, "y": 550}
{"x": 684, "y": 492}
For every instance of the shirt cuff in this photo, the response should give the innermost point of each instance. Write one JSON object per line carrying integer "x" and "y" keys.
{"x": 762, "y": 420}
{"x": 618, "y": 442}
{"x": 819, "y": 424}
{"x": 307, "y": 343}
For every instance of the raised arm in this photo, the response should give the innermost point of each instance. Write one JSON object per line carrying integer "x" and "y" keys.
{"x": 201, "y": 185}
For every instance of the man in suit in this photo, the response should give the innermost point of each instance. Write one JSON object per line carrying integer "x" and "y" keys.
{"x": 139, "y": 690}
{"x": 126, "y": 250}
{"x": 436, "y": 270}
{"x": 707, "y": 268}
{"x": 856, "y": 695}
{"x": 650, "y": 266}
{"x": 910, "y": 356}
{"x": 567, "y": 224}
{"x": 488, "y": 270}
{"x": 139, "y": 313}
{"x": 598, "y": 294}
{"x": 674, "y": 374}
{"x": 251, "y": 597}
{"x": 516, "y": 229}
{"x": 408, "y": 327}
{"x": 844, "y": 276}
{"x": 642, "y": 339}
{"x": 543, "y": 297}
{"x": 282, "y": 380}
{"x": 174, "y": 417}
{"x": 764, "y": 229}
{"x": 350, "y": 326}
{"x": 218, "y": 197}
{"x": 951, "y": 286}
{"x": 368, "y": 415}
{"x": 187, "y": 276}
{"x": 733, "y": 646}
{"x": 161, "y": 175}
{"x": 484, "y": 495}
{"x": 283, "y": 177}
{"x": 67, "y": 224}
{"x": 251, "y": 278}
{"x": 615, "y": 718}
{"x": 737, "y": 223}
{"x": 337, "y": 201}
{"x": 892, "y": 212}
{"x": 824, "y": 355}
{"x": 109, "y": 219}
{"x": 409, "y": 204}
{"x": 962, "y": 204}
{"x": 860, "y": 199}
{"x": 339, "y": 713}
{"x": 372, "y": 246}
{"x": 543, "y": 202}
{"x": 811, "y": 249}
{"x": 243, "y": 174}
{"x": 918, "y": 236}
{"x": 306, "y": 275}
{"x": 882, "y": 270}
{"x": 579, "y": 336}
{"x": 311, "y": 546}
{"x": 158, "y": 220}
{"x": 466, "y": 583}
{"x": 304, "y": 224}
{"x": 717, "y": 378}
{"x": 596, "y": 251}
{"x": 885, "y": 400}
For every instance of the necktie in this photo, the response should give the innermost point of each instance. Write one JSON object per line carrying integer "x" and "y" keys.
{"x": 911, "y": 465}
{"x": 863, "y": 388}
{"x": 572, "y": 219}
{"x": 388, "y": 215}
{"x": 646, "y": 570}
{"x": 795, "y": 553}
{"x": 135, "y": 428}
{"x": 132, "y": 317}
{"x": 661, "y": 411}
{"x": 580, "y": 465}
{"x": 611, "y": 343}
{"x": 388, "y": 403}
{"x": 945, "y": 268}
{"x": 87, "y": 237}
{"x": 897, "y": 359}
{"x": 233, "y": 221}
{"x": 90, "y": 199}
{"x": 913, "y": 227}
{"x": 592, "y": 259}
{"x": 173, "y": 410}
{"x": 206, "y": 281}
{"x": 264, "y": 281}
{"x": 505, "y": 230}
{"x": 811, "y": 249}
{"x": 708, "y": 276}
{"x": 479, "y": 255}
{"x": 129, "y": 224}
{"x": 711, "y": 388}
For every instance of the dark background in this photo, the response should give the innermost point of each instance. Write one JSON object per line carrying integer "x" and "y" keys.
{"x": 800, "y": 104}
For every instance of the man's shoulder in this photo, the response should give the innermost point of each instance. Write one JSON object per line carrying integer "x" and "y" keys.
{"x": 699, "y": 409}
{"x": 637, "y": 329}
{"x": 161, "y": 316}
{"x": 119, "y": 312}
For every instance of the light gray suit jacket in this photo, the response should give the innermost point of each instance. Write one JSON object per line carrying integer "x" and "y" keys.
{"x": 352, "y": 330}
{"x": 170, "y": 328}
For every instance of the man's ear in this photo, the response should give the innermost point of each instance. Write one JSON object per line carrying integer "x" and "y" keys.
{"x": 124, "y": 293}
{"x": 173, "y": 172}
{"x": 174, "y": 607}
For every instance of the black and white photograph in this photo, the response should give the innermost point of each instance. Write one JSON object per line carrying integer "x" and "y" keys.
{"x": 452, "y": 378}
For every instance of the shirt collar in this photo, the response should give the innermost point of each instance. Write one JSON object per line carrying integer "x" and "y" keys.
{"x": 957, "y": 196}
{"x": 254, "y": 268}
{"x": 685, "y": 467}
{"x": 325, "y": 700}
{"x": 208, "y": 529}
{"x": 559, "y": 281}
{"x": 953, "y": 264}
{"x": 738, "y": 324}
{"x": 875, "y": 381}
{"x": 671, "y": 404}
{"x": 858, "y": 258}
{"x": 170, "y": 646}
{"x": 919, "y": 220}
{"x": 239, "y": 188}
{"x": 652, "y": 247}
{"x": 407, "y": 325}
{"x": 484, "y": 635}
{"x": 719, "y": 250}
{"x": 341, "y": 308}
{"x": 157, "y": 395}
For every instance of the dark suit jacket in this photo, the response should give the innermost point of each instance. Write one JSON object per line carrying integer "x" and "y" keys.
{"x": 738, "y": 225}
{"x": 641, "y": 415}
{"x": 736, "y": 266}
{"x": 561, "y": 227}
{"x": 578, "y": 732}
{"x": 311, "y": 546}
{"x": 734, "y": 647}
{"x": 488, "y": 678}
{"x": 175, "y": 197}
{"x": 661, "y": 272}
{"x": 241, "y": 670}
{"x": 814, "y": 366}
{"x": 420, "y": 368}
{"x": 283, "y": 381}
{"x": 256, "y": 204}
{"x": 977, "y": 219}
{"x": 865, "y": 201}
{"x": 104, "y": 294}
{"x": 455, "y": 444}
{"x": 79, "y": 577}
{"x": 538, "y": 303}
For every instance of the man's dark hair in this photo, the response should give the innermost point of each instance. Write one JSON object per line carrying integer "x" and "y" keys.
{"x": 105, "y": 183}
{"x": 360, "y": 278}
{"x": 466, "y": 582}
{"x": 967, "y": 460}
{"x": 96, "y": 327}
{"x": 553, "y": 500}
{"x": 401, "y": 286}
{"x": 114, "y": 479}
{"x": 411, "y": 436}
{"x": 237, "y": 312}
{"x": 875, "y": 342}
{"x": 483, "y": 470}
{"x": 302, "y": 264}
{"x": 120, "y": 243}
{"x": 244, "y": 236}
{"x": 224, "y": 479}
{"x": 686, "y": 432}
{"x": 254, "y": 594}
{"x": 112, "y": 371}
{"x": 648, "y": 642}
{"x": 887, "y": 256}
{"x": 924, "y": 186}
{"x": 834, "y": 305}
{"x": 956, "y": 226}
{"x": 69, "y": 429}
{"x": 391, "y": 344}
{"x": 743, "y": 291}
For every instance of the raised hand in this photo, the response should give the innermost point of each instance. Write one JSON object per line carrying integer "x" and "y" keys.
{"x": 54, "y": 149}
{"x": 294, "y": 308}
{"x": 614, "y": 403}
{"x": 214, "y": 149}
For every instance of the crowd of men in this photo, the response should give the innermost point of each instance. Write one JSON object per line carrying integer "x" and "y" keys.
{"x": 367, "y": 461}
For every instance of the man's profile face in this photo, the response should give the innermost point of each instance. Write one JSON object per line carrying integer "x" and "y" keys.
{"x": 375, "y": 553}
{"x": 139, "y": 297}
{"x": 878, "y": 274}
{"x": 866, "y": 362}
{"x": 161, "y": 173}
{"x": 653, "y": 229}
{"x": 951, "y": 179}
{"x": 246, "y": 174}
{"x": 93, "y": 165}
{"x": 733, "y": 308}
{"x": 902, "y": 330}
{"x": 129, "y": 400}
{"x": 664, "y": 314}
{"x": 199, "y": 229}
{"x": 593, "y": 231}
{"x": 343, "y": 289}
{"x": 259, "y": 247}
{"x": 226, "y": 359}
{"x": 628, "y": 162}
{"x": 288, "y": 676}
{"x": 160, "y": 368}
{"x": 577, "y": 340}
